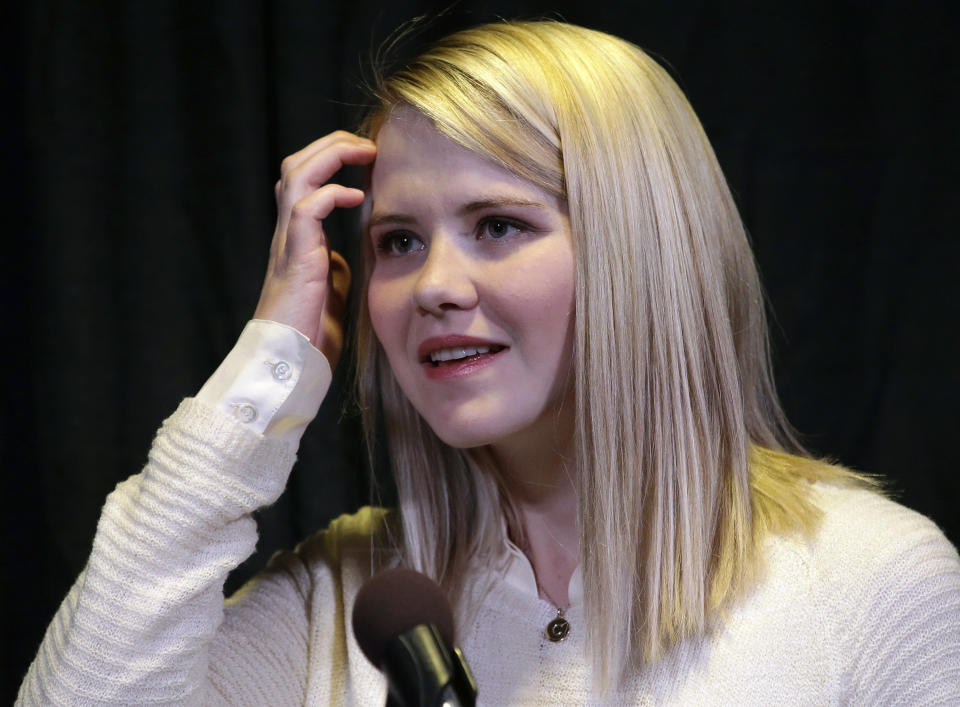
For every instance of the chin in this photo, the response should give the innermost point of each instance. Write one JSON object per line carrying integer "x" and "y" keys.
{"x": 465, "y": 428}
{"x": 464, "y": 437}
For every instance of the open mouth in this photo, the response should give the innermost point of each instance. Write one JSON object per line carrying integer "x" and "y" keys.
{"x": 461, "y": 354}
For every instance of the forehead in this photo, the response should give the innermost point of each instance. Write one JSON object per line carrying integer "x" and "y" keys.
{"x": 415, "y": 161}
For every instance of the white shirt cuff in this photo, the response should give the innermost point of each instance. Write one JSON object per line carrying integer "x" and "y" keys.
{"x": 272, "y": 381}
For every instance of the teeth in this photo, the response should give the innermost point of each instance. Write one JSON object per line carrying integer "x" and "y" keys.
{"x": 455, "y": 353}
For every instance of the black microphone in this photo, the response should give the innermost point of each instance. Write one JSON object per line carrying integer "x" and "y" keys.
{"x": 404, "y": 625}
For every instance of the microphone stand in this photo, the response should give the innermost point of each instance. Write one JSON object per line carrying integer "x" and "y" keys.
{"x": 422, "y": 672}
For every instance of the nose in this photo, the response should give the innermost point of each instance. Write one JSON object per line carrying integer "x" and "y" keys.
{"x": 446, "y": 278}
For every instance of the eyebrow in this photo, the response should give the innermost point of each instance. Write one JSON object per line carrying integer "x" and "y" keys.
{"x": 468, "y": 208}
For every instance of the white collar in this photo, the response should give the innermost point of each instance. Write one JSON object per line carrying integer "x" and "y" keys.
{"x": 519, "y": 575}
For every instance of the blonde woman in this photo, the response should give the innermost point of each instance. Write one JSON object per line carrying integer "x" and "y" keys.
{"x": 563, "y": 331}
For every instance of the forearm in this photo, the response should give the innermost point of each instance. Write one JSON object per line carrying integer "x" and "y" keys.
{"x": 137, "y": 625}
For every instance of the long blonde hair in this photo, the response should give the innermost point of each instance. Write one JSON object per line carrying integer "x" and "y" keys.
{"x": 684, "y": 459}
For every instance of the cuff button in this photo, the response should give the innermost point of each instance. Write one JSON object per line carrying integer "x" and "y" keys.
{"x": 246, "y": 413}
{"x": 282, "y": 370}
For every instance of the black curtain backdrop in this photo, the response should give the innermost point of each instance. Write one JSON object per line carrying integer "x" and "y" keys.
{"x": 146, "y": 138}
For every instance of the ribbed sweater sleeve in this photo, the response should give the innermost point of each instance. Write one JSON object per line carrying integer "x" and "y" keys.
{"x": 900, "y": 596}
{"x": 137, "y": 625}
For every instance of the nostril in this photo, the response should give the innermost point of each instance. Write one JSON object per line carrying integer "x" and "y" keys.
{"x": 445, "y": 280}
{"x": 438, "y": 296}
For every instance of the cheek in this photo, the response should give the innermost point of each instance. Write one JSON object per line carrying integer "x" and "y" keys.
{"x": 552, "y": 308}
{"x": 546, "y": 291}
{"x": 385, "y": 306}
{"x": 378, "y": 307}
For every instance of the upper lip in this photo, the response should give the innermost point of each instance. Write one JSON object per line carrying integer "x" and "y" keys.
{"x": 451, "y": 341}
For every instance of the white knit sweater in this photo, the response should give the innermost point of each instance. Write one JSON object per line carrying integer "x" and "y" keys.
{"x": 868, "y": 613}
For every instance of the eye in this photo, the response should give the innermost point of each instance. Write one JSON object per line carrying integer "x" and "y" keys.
{"x": 398, "y": 243}
{"x": 499, "y": 228}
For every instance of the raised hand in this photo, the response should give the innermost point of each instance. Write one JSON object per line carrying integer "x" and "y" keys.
{"x": 306, "y": 283}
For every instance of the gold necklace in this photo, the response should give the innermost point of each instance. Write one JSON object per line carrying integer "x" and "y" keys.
{"x": 559, "y": 627}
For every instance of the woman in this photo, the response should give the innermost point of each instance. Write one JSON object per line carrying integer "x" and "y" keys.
{"x": 563, "y": 330}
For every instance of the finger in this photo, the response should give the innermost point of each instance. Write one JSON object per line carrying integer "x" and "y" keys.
{"x": 317, "y": 170}
{"x": 294, "y": 160}
{"x": 305, "y": 230}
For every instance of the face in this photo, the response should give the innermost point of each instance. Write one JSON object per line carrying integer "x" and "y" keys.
{"x": 472, "y": 289}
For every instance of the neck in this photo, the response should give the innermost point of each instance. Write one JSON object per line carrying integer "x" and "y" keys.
{"x": 539, "y": 480}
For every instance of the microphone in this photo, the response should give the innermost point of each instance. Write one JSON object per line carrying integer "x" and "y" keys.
{"x": 404, "y": 625}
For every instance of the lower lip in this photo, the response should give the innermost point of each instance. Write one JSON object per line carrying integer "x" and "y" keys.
{"x": 461, "y": 368}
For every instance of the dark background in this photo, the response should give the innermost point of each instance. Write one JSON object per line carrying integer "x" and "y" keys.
{"x": 138, "y": 170}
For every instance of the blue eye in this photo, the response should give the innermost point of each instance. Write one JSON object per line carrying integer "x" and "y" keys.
{"x": 399, "y": 243}
{"x": 498, "y": 228}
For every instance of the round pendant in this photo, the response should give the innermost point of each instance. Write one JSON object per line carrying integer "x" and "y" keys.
{"x": 558, "y": 629}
